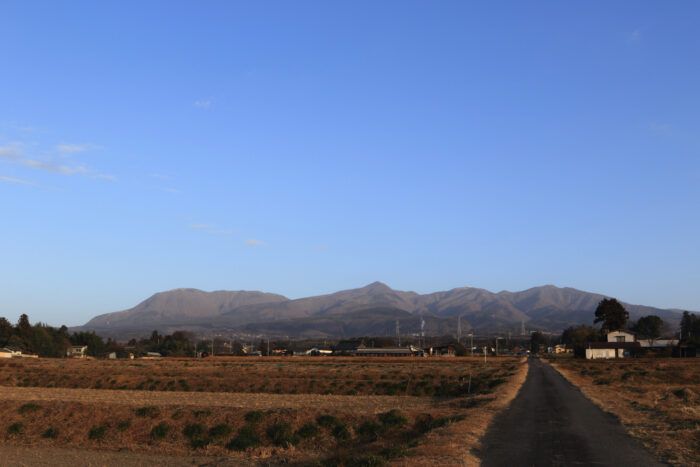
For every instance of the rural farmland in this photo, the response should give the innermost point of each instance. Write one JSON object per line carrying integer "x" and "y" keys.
{"x": 340, "y": 411}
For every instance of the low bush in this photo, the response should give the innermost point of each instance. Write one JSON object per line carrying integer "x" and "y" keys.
{"x": 124, "y": 425}
{"x": 369, "y": 430}
{"x": 310, "y": 430}
{"x": 394, "y": 452}
{"x": 202, "y": 413}
{"x": 394, "y": 417}
{"x": 429, "y": 423}
{"x": 327, "y": 421}
{"x": 148, "y": 411}
{"x": 97, "y": 432}
{"x": 29, "y": 408}
{"x": 247, "y": 438}
{"x": 194, "y": 430}
{"x": 366, "y": 461}
{"x": 160, "y": 431}
{"x": 199, "y": 443}
{"x": 15, "y": 429}
{"x": 221, "y": 430}
{"x": 341, "y": 432}
{"x": 255, "y": 416}
{"x": 281, "y": 435}
{"x": 51, "y": 433}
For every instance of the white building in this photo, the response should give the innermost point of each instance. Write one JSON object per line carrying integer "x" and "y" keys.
{"x": 619, "y": 344}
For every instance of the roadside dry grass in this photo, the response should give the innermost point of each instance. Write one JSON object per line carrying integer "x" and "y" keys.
{"x": 456, "y": 444}
{"x": 657, "y": 400}
{"x": 438, "y": 426}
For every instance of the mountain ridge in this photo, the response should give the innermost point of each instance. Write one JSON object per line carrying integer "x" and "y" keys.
{"x": 371, "y": 309}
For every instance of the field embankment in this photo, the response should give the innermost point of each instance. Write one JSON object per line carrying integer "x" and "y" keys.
{"x": 657, "y": 400}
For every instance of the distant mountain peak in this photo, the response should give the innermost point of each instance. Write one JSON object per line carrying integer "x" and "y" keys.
{"x": 376, "y": 285}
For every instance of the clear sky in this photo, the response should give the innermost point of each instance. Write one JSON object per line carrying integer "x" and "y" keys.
{"x": 306, "y": 147}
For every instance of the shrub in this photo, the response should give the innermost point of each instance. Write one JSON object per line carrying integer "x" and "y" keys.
{"x": 199, "y": 443}
{"x": 97, "y": 432}
{"x": 366, "y": 461}
{"x": 394, "y": 452}
{"x": 178, "y": 414}
{"x": 341, "y": 432}
{"x": 193, "y": 430}
{"x": 281, "y": 435}
{"x": 15, "y": 429}
{"x": 221, "y": 430}
{"x": 394, "y": 417}
{"x": 601, "y": 381}
{"x": 429, "y": 423}
{"x": 124, "y": 425}
{"x": 160, "y": 431}
{"x": 148, "y": 411}
{"x": 327, "y": 421}
{"x": 51, "y": 433}
{"x": 309, "y": 430}
{"x": 254, "y": 416}
{"x": 29, "y": 408}
{"x": 202, "y": 413}
{"x": 369, "y": 430}
{"x": 247, "y": 438}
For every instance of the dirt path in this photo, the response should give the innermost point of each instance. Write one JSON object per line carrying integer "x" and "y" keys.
{"x": 550, "y": 423}
{"x": 373, "y": 404}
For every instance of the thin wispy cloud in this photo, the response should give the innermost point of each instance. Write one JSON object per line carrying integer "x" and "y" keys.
{"x": 202, "y": 104}
{"x": 16, "y": 155}
{"x": 68, "y": 149}
{"x": 170, "y": 190}
{"x": 253, "y": 242}
{"x": 14, "y": 180}
{"x": 9, "y": 152}
{"x": 58, "y": 169}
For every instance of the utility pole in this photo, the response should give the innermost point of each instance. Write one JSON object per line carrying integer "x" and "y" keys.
{"x": 459, "y": 329}
{"x": 398, "y": 332}
{"x": 268, "y": 346}
{"x": 471, "y": 347}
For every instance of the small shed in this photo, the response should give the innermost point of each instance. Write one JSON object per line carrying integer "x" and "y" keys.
{"x": 77, "y": 351}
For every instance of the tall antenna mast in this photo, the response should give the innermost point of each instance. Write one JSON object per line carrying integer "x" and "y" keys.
{"x": 398, "y": 332}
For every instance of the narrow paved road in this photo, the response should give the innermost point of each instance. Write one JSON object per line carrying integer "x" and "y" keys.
{"x": 550, "y": 423}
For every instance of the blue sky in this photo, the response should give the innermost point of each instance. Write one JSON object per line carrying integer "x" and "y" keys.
{"x": 307, "y": 147}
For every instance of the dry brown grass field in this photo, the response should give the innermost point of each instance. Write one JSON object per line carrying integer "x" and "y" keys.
{"x": 299, "y": 411}
{"x": 657, "y": 399}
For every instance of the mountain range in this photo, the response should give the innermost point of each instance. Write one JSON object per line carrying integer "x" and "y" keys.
{"x": 370, "y": 310}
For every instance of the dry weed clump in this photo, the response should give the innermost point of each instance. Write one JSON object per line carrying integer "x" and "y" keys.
{"x": 656, "y": 400}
